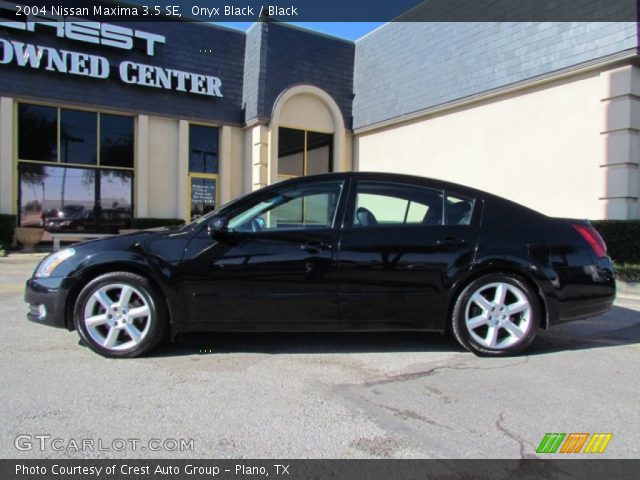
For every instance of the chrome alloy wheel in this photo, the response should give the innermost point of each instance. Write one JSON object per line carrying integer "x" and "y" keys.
{"x": 117, "y": 316}
{"x": 498, "y": 315}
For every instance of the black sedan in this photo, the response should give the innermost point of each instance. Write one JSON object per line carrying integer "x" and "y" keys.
{"x": 334, "y": 252}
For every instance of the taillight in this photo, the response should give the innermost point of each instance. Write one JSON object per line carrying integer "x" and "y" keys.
{"x": 592, "y": 237}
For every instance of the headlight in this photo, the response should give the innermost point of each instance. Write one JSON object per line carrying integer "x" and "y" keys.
{"x": 50, "y": 263}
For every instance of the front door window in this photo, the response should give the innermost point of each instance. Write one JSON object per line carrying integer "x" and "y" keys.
{"x": 296, "y": 208}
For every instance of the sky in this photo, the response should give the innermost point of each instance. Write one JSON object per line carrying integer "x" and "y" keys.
{"x": 347, "y": 30}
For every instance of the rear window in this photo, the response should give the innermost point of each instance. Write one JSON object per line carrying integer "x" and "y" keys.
{"x": 458, "y": 210}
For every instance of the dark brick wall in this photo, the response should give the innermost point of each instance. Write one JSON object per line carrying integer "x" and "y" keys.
{"x": 254, "y": 71}
{"x": 183, "y": 50}
{"x": 403, "y": 68}
{"x": 291, "y": 56}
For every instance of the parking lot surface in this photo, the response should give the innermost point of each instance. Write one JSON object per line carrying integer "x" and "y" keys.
{"x": 313, "y": 395}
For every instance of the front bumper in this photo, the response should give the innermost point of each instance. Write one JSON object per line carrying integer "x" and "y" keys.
{"x": 47, "y": 299}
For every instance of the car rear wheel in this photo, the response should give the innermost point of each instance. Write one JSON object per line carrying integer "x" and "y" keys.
{"x": 120, "y": 315}
{"x": 496, "y": 315}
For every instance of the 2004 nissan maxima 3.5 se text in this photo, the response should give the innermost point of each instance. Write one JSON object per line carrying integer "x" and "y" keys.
{"x": 333, "y": 252}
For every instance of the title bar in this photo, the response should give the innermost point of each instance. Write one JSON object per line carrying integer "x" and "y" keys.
{"x": 329, "y": 10}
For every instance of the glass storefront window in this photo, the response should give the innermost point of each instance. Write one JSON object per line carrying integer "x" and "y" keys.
{"x": 115, "y": 200}
{"x": 116, "y": 140}
{"x": 52, "y": 196}
{"x": 203, "y": 149}
{"x": 319, "y": 153}
{"x": 78, "y": 137}
{"x": 302, "y": 152}
{"x": 291, "y": 152}
{"x": 85, "y": 138}
{"x": 66, "y": 199}
{"x": 37, "y": 133}
{"x": 61, "y": 183}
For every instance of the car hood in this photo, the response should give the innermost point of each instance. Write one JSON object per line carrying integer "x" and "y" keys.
{"x": 160, "y": 248}
{"x": 148, "y": 241}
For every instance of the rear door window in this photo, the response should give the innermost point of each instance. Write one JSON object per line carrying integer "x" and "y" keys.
{"x": 459, "y": 209}
{"x": 393, "y": 204}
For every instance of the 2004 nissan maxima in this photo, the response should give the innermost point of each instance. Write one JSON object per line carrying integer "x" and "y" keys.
{"x": 334, "y": 252}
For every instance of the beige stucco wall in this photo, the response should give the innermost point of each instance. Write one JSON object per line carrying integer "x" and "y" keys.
{"x": 6, "y": 156}
{"x": 621, "y": 136}
{"x": 238, "y": 170}
{"x": 163, "y": 172}
{"x": 162, "y": 166}
{"x": 542, "y": 147}
{"x": 306, "y": 112}
{"x": 305, "y": 107}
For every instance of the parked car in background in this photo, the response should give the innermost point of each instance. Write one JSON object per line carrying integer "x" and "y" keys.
{"x": 111, "y": 220}
{"x": 334, "y": 252}
{"x": 55, "y": 215}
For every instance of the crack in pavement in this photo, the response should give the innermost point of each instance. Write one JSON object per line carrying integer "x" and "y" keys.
{"x": 406, "y": 377}
{"x": 410, "y": 415}
{"x": 395, "y": 422}
{"x": 513, "y": 436}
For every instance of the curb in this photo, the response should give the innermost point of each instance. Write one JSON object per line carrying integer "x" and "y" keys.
{"x": 628, "y": 288}
{"x": 17, "y": 256}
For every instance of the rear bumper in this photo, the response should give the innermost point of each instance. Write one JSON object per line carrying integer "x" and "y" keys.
{"x": 46, "y": 299}
{"x": 570, "y": 311}
{"x": 584, "y": 292}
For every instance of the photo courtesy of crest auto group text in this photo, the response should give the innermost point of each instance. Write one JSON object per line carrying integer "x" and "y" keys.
{"x": 246, "y": 239}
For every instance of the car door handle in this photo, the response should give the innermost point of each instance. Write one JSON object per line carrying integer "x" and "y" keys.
{"x": 315, "y": 247}
{"x": 451, "y": 242}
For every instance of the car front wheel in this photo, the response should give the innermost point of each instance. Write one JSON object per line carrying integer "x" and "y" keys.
{"x": 496, "y": 315}
{"x": 120, "y": 315}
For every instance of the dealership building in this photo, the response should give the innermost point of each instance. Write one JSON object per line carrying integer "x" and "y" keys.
{"x": 171, "y": 119}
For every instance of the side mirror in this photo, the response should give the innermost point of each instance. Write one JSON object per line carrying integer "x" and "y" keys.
{"x": 218, "y": 227}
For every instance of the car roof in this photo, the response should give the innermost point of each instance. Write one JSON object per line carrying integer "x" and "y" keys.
{"x": 450, "y": 187}
{"x": 391, "y": 177}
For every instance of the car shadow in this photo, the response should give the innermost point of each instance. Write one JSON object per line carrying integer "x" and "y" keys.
{"x": 306, "y": 342}
{"x": 619, "y": 326}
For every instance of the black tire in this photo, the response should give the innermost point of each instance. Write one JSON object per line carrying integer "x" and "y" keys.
{"x": 503, "y": 333}
{"x": 127, "y": 321}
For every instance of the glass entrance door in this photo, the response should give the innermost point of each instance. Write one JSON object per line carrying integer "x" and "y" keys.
{"x": 303, "y": 152}
{"x": 203, "y": 194}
